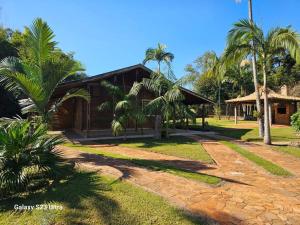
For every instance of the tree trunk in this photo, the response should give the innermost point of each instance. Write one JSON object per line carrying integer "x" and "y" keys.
{"x": 203, "y": 116}
{"x": 174, "y": 117}
{"x": 167, "y": 127}
{"x": 254, "y": 69}
{"x": 219, "y": 99}
{"x": 267, "y": 136}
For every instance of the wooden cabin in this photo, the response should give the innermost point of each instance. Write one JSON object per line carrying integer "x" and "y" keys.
{"x": 82, "y": 117}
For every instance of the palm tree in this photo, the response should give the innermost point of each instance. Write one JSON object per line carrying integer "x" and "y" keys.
{"x": 159, "y": 55}
{"x": 276, "y": 41}
{"x": 168, "y": 96}
{"x": 38, "y": 76}
{"x": 122, "y": 106}
{"x": 254, "y": 73}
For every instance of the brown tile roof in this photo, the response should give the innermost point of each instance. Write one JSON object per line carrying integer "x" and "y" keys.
{"x": 272, "y": 95}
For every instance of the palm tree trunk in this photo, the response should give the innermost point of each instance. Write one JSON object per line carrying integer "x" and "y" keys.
{"x": 267, "y": 136}
{"x": 219, "y": 98}
{"x": 167, "y": 127}
{"x": 254, "y": 69}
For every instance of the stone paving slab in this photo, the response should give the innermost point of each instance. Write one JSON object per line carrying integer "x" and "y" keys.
{"x": 289, "y": 162}
{"x": 249, "y": 196}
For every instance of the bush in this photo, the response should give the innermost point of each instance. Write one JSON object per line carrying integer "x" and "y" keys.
{"x": 27, "y": 156}
{"x": 295, "y": 121}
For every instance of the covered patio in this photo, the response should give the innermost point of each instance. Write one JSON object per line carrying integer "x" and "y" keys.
{"x": 281, "y": 106}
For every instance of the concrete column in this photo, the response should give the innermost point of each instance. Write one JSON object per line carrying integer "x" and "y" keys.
{"x": 235, "y": 114}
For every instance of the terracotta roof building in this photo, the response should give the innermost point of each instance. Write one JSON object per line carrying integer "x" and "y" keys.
{"x": 281, "y": 105}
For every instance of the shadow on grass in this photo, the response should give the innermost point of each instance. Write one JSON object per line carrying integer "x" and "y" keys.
{"x": 147, "y": 142}
{"x": 86, "y": 200}
{"x": 71, "y": 192}
{"x": 124, "y": 166}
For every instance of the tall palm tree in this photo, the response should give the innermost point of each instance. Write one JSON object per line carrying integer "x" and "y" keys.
{"x": 122, "y": 106}
{"x": 267, "y": 46}
{"x": 168, "y": 95}
{"x": 159, "y": 55}
{"x": 38, "y": 77}
{"x": 254, "y": 72}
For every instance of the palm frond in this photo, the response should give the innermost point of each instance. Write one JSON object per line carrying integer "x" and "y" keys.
{"x": 122, "y": 105}
{"x": 135, "y": 89}
{"x": 40, "y": 40}
{"x": 105, "y": 106}
{"x": 117, "y": 127}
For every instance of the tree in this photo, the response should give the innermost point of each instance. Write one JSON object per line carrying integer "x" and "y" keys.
{"x": 168, "y": 96}
{"x": 122, "y": 106}
{"x": 159, "y": 55}
{"x": 210, "y": 65}
{"x": 254, "y": 73}
{"x": 275, "y": 42}
{"x": 38, "y": 76}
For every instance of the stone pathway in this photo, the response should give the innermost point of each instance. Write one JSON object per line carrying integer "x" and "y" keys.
{"x": 248, "y": 196}
{"x": 144, "y": 154}
{"x": 287, "y": 161}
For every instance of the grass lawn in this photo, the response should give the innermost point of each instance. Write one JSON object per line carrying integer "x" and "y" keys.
{"x": 176, "y": 146}
{"x": 88, "y": 198}
{"x": 151, "y": 164}
{"x": 267, "y": 165}
{"x": 294, "y": 151}
{"x": 247, "y": 133}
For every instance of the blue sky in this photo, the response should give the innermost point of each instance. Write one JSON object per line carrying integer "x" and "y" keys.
{"x": 110, "y": 34}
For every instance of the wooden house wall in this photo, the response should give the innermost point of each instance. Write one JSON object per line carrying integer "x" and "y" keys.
{"x": 74, "y": 113}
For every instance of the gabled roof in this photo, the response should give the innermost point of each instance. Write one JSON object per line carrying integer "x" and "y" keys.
{"x": 108, "y": 74}
{"x": 193, "y": 97}
{"x": 272, "y": 96}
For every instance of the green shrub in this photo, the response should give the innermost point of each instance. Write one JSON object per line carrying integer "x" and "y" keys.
{"x": 27, "y": 159}
{"x": 295, "y": 121}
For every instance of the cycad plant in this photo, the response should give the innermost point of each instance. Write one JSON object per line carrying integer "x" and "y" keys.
{"x": 168, "y": 96}
{"x": 25, "y": 157}
{"x": 40, "y": 73}
{"x": 267, "y": 46}
{"x": 122, "y": 105}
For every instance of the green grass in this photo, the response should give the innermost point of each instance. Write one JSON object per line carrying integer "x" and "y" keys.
{"x": 151, "y": 164}
{"x": 267, "y": 165}
{"x": 179, "y": 146}
{"x": 294, "y": 151}
{"x": 88, "y": 198}
{"x": 229, "y": 129}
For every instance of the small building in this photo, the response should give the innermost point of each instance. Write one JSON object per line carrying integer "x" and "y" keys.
{"x": 281, "y": 105}
{"x": 84, "y": 118}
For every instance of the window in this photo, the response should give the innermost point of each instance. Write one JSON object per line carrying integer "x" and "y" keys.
{"x": 281, "y": 109}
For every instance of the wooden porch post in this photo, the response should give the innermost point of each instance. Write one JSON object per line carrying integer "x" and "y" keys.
{"x": 88, "y": 113}
{"x": 235, "y": 114}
